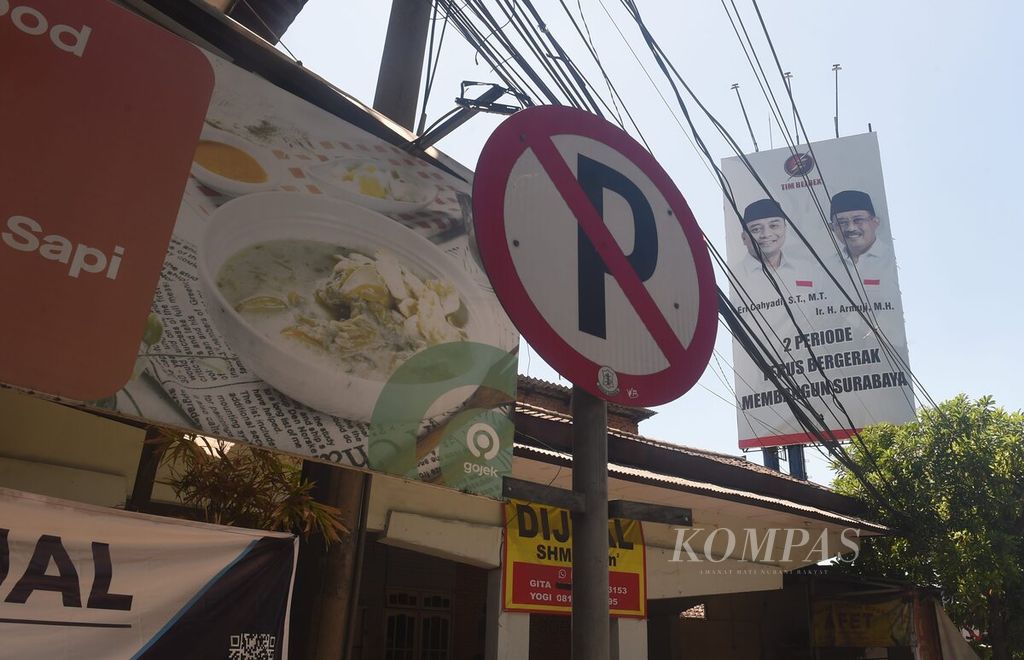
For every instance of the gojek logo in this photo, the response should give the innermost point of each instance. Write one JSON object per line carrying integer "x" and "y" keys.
{"x": 443, "y": 417}
{"x": 483, "y": 441}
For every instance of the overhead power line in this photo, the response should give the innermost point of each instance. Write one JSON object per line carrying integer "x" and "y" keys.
{"x": 778, "y": 64}
{"x": 567, "y": 85}
{"x": 669, "y": 70}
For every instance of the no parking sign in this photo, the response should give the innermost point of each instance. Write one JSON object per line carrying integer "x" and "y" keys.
{"x": 595, "y": 255}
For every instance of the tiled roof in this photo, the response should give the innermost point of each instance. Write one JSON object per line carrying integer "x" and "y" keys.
{"x": 736, "y": 461}
{"x": 563, "y": 393}
{"x": 712, "y": 490}
{"x": 695, "y": 612}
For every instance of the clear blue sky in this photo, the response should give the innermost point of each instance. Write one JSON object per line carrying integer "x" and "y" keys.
{"x": 939, "y": 83}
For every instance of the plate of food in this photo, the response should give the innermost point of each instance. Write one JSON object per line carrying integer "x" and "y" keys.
{"x": 232, "y": 165}
{"x": 324, "y": 299}
{"x": 375, "y": 184}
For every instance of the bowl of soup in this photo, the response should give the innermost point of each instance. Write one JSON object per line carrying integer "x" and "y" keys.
{"x": 324, "y": 299}
{"x": 232, "y": 165}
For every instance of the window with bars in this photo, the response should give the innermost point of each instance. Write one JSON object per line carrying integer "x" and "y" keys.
{"x": 417, "y": 625}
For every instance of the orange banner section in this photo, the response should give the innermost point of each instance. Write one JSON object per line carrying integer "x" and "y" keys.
{"x": 102, "y": 111}
{"x": 861, "y": 624}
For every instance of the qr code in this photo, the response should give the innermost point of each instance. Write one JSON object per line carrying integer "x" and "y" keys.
{"x": 252, "y": 646}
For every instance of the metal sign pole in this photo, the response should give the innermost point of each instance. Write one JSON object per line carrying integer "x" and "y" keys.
{"x": 531, "y": 210}
{"x": 590, "y": 616}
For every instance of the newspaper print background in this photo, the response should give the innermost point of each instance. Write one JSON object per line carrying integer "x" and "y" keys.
{"x": 190, "y": 378}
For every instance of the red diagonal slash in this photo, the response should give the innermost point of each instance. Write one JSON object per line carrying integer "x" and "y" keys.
{"x": 607, "y": 248}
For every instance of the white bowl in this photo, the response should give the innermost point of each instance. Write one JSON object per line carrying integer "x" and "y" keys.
{"x": 233, "y": 187}
{"x": 320, "y": 383}
{"x": 328, "y": 178}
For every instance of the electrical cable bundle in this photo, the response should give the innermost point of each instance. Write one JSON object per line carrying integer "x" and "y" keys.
{"x": 534, "y": 63}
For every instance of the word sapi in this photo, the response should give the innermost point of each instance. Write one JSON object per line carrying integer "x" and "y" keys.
{"x": 22, "y": 235}
{"x": 36, "y": 578}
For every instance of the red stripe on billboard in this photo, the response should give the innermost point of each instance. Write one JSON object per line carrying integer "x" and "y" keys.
{"x": 793, "y": 439}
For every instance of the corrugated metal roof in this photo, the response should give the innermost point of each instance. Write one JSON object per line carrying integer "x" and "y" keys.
{"x": 680, "y": 483}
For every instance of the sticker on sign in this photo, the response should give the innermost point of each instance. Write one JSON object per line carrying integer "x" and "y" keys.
{"x": 595, "y": 255}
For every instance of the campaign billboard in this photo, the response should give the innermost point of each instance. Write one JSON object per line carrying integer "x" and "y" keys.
{"x": 92, "y": 582}
{"x": 197, "y": 247}
{"x": 815, "y": 278}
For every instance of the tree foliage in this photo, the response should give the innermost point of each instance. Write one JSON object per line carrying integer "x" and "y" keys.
{"x": 954, "y": 481}
{"x": 240, "y": 485}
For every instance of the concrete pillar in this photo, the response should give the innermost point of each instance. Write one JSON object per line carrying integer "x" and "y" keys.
{"x": 590, "y": 620}
{"x": 508, "y": 633}
{"x": 628, "y": 639}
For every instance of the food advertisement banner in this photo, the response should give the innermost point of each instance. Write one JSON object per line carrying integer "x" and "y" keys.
{"x": 538, "y": 562}
{"x": 317, "y": 294}
{"x": 92, "y": 582}
{"x": 844, "y": 340}
{"x": 860, "y": 624}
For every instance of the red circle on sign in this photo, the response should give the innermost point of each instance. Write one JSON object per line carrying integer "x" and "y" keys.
{"x": 533, "y": 129}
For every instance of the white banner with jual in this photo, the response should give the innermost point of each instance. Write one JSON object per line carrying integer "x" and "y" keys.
{"x": 80, "y": 581}
{"x": 836, "y": 339}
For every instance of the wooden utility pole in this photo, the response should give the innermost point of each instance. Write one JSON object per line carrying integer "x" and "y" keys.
{"x": 329, "y": 579}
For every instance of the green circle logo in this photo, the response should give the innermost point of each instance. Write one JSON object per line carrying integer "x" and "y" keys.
{"x": 444, "y": 417}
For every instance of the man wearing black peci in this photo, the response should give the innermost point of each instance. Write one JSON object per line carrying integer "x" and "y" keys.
{"x": 764, "y": 235}
{"x": 861, "y": 252}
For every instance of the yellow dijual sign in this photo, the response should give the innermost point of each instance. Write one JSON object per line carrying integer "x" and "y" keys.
{"x": 538, "y": 561}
